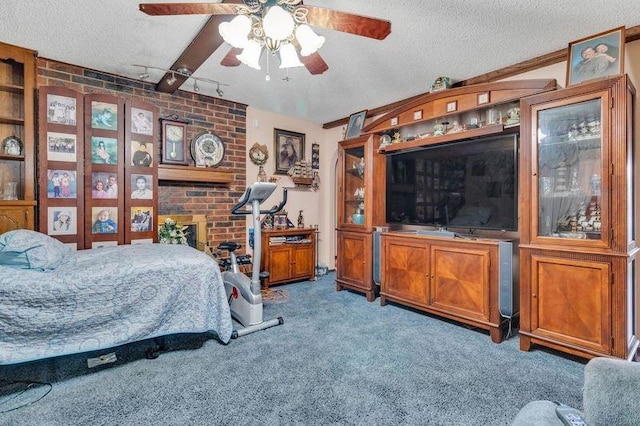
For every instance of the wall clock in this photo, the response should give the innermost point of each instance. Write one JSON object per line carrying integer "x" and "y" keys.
{"x": 174, "y": 141}
{"x": 207, "y": 150}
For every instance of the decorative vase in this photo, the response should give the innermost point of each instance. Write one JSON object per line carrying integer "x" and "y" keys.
{"x": 358, "y": 218}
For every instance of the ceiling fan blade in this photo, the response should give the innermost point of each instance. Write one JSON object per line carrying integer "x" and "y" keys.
{"x": 231, "y": 58}
{"x": 314, "y": 63}
{"x": 203, "y": 45}
{"x": 226, "y": 8}
{"x": 363, "y": 26}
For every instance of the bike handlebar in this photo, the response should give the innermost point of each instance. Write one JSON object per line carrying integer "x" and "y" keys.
{"x": 243, "y": 202}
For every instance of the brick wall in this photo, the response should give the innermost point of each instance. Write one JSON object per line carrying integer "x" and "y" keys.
{"x": 225, "y": 118}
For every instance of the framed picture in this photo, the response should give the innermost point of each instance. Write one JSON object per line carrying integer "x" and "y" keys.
{"x": 315, "y": 156}
{"x": 104, "y": 150}
{"x": 141, "y": 121}
{"x": 141, "y": 154}
{"x": 61, "y": 110}
{"x": 417, "y": 115}
{"x": 596, "y": 56}
{"x": 280, "y": 221}
{"x": 174, "y": 142}
{"x": 356, "y": 123}
{"x": 62, "y": 220}
{"x": 104, "y": 185}
{"x": 141, "y": 219}
{"x": 141, "y": 187}
{"x": 452, "y": 106}
{"x": 104, "y": 220}
{"x": 61, "y": 147}
{"x": 394, "y": 121}
{"x": 104, "y": 115}
{"x": 61, "y": 184}
{"x": 483, "y": 98}
{"x": 288, "y": 148}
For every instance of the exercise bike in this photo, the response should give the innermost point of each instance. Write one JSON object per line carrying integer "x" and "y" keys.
{"x": 244, "y": 294}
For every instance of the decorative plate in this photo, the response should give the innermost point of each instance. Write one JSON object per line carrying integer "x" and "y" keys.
{"x": 12, "y": 145}
{"x": 385, "y": 140}
{"x": 207, "y": 150}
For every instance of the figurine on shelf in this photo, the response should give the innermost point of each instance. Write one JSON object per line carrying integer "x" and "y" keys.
{"x": 441, "y": 83}
{"x": 439, "y": 129}
{"x": 513, "y": 116}
{"x": 300, "y": 220}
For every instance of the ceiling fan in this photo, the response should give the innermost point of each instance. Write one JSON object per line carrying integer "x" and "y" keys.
{"x": 209, "y": 39}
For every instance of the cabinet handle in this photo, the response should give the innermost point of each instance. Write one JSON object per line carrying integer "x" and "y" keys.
{"x": 534, "y": 295}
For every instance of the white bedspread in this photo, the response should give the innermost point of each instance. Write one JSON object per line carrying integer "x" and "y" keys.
{"x": 106, "y": 297}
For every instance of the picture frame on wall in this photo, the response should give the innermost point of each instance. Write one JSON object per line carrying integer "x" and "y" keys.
{"x": 288, "y": 149}
{"x": 356, "y": 123}
{"x": 174, "y": 142}
{"x": 597, "y": 56}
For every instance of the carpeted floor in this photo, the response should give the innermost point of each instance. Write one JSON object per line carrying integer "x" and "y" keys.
{"x": 337, "y": 359}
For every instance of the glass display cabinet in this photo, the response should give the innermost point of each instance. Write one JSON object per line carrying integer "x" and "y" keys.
{"x": 578, "y": 250}
{"x": 570, "y": 171}
{"x": 360, "y": 169}
{"x": 17, "y": 133}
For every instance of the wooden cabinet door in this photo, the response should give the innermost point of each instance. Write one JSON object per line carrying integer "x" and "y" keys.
{"x": 279, "y": 263}
{"x": 405, "y": 270}
{"x": 570, "y": 301}
{"x": 460, "y": 281}
{"x": 303, "y": 261}
{"x": 354, "y": 260}
{"x": 16, "y": 217}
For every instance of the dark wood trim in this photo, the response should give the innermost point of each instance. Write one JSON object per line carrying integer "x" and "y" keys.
{"x": 631, "y": 34}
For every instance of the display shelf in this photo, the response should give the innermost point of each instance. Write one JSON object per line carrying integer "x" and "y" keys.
{"x": 466, "y": 134}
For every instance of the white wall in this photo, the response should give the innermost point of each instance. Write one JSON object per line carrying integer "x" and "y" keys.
{"x": 318, "y": 207}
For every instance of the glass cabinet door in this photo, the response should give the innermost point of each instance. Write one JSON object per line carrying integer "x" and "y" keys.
{"x": 354, "y": 186}
{"x": 570, "y": 171}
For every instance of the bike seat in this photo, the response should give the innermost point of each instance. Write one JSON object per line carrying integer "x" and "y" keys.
{"x": 229, "y": 245}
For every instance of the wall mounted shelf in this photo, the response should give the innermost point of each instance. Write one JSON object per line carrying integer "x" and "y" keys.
{"x": 173, "y": 173}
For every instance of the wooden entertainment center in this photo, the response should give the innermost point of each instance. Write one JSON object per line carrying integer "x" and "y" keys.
{"x": 575, "y": 257}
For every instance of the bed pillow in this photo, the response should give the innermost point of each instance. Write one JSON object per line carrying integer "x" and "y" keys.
{"x": 27, "y": 249}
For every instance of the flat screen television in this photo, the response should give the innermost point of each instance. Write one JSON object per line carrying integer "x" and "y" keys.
{"x": 469, "y": 185}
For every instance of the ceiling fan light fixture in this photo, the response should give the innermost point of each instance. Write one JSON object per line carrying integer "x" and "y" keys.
{"x": 236, "y": 32}
{"x": 289, "y": 57}
{"x": 271, "y": 44}
{"x": 278, "y": 24}
{"x": 309, "y": 41}
{"x": 250, "y": 56}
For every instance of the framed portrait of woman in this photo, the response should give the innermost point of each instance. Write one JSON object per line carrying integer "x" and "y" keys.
{"x": 289, "y": 149}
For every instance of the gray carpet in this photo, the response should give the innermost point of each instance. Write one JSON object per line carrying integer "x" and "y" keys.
{"x": 337, "y": 359}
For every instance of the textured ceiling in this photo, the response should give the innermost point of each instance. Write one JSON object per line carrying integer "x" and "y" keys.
{"x": 457, "y": 38}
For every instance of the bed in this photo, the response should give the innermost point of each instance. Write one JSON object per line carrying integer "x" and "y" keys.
{"x": 55, "y": 301}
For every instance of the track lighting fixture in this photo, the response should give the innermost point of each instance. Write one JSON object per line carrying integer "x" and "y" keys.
{"x": 144, "y": 75}
{"x": 182, "y": 72}
{"x": 171, "y": 80}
